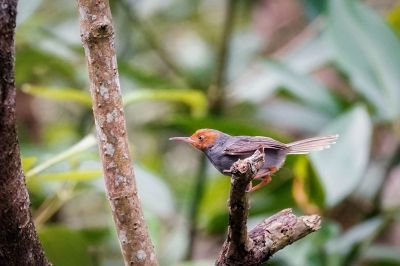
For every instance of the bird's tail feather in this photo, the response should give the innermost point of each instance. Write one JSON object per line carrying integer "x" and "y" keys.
{"x": 312, "y": 144}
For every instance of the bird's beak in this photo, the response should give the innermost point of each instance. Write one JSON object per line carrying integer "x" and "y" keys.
{"x": 184, "y": 139}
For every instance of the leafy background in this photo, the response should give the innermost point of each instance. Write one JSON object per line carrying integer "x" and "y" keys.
{"x": 293, "y": 69}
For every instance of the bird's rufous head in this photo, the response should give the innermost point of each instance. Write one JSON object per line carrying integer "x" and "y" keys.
{"x": 201, "y": 139}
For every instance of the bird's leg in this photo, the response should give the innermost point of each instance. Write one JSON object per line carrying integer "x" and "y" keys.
{"x": 268, "y": 171}
{"x": 249, "y": 186}
{"x": 260, "y": 176}
{"x": 265, "y": 176}
{"x": 264, "y": 182}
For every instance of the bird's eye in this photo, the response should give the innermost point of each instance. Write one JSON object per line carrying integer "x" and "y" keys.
{"x": 201, "y": 137}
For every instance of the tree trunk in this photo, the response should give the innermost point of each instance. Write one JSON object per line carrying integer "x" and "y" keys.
{"x": 97, "y": 35}
{"x": 19, "y": 244}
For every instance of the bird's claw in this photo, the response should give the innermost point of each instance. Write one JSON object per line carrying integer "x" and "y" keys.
{"x": 227, "y": 171}
{"x": 249, "y": 187}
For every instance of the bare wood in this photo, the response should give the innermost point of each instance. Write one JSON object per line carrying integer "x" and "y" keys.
{"x": 280, "y": 230}
{"x": 97, "y": 35}
{"x": 242, "y": 172}
{"x": 274, "y": 233}
{"x": 19, "y": 244}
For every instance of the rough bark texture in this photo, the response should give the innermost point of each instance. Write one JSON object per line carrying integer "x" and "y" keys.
{"x": 274, "y": 233}
{"x": 19, "y": 244}
{"x": 97, "y": 35}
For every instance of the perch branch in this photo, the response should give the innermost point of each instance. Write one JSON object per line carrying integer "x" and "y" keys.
{"x": 97, "y": 35}
{"x": 274, "y": 233}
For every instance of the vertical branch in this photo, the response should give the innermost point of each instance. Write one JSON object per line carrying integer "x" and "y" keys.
{"x": 154, "y": 43}
{"x": 195, "y": 204}
{"x": 97, "y": 35}
{"x": 238, "y": 243}
{"x": 19, "y": 244}
{"x": 216, "y": 90}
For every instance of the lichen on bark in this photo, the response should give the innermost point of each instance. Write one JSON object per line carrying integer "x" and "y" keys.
{"x": 98, "y": 41}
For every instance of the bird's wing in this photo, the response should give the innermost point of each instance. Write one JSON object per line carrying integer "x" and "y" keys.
{"x": 246, "y": 145}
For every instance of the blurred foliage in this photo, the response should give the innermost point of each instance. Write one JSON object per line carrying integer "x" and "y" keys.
{"x": 73, "y": 245}
{"x": 336, "y": 74}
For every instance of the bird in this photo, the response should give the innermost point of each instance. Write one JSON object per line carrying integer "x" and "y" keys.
{"x": 222, "y": 150}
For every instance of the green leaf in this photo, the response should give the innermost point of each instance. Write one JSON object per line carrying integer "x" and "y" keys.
{"x": 64, "y": 247}
{"x": 309, "y": 250}
{"x": 173, "y": 245}
{"x": 36, "y": 65}
{"x": 303, "y": 87}
{"x": 363, "y": 233}
{"x": 149, "y": 185}
{"x": 59, "y": 94}
{"x": 393, "y": 18}
{"x": 26, "y": 8}
{"x": 257, "y": 84}
{"x": 293, "y": 116}
{"x": 142, "y": 77}
{"x": 307, "y": 189}
{"x": 194, "y": 98}
{"x": 314, "y": 8}
{"x": 342, "y": 167}
{"x": 77, "y": 175}
{"x": 275, "y": 197}
{"x": 95, "y": 235}
{"x": 84, "y": 144}
{"x": 381, "y": 253}
{"x": 213, "y": 211}
{"x": 28, "y": 162}
{"x": 366, "y": 48}
{"x": 354, "y": 235}
{"x": 375, "y": 175}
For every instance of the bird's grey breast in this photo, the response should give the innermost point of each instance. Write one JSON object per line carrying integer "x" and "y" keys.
{"x": 216, "y": 154}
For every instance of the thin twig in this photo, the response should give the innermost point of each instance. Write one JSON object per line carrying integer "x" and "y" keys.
{"x": 52, "y": 204}
{"x": 216, "y": 90}
{"x": 97, "y": 35}
{"x": 274, "y": 233}
{"x": 194, "y": 206}
{"x": 155, "y": 44}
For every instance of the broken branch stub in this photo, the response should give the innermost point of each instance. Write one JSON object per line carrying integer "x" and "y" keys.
{"x": 264, "y": 240}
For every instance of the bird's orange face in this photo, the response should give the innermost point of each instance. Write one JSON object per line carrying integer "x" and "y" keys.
{"x": 201, "y": 139}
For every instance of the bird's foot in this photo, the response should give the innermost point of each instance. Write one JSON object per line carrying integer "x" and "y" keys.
{"x": 249, "y": 186}
{"x": 264, "y": 172}
{"x": 265, "y": 181}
